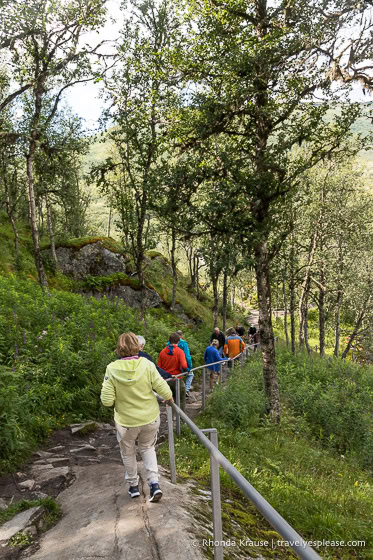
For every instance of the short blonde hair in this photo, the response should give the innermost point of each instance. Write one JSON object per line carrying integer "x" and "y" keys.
{"x": 127, "y": 345}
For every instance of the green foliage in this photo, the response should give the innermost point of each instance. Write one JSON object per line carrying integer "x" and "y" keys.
{"x": 100, "y": 283}
{"x": 302, "y": 474}
{"x": 53, "y": 353}
{"x": 335, "y": 398}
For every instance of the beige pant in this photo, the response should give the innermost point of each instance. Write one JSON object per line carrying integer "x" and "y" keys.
{"x": 147, "y": 437}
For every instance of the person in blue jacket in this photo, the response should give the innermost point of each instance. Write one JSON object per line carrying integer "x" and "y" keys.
{"x": 212, "y": 355}
{"x": 185, "y": 348}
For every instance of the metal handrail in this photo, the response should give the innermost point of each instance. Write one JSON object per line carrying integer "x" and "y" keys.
{"x": 295, "y": 541}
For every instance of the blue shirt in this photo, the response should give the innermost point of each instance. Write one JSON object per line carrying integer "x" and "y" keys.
{"x": 212, "y": 355}
{"x": 183, "y": 345}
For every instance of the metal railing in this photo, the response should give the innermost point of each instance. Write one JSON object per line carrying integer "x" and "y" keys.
{"x": 242, "y": 356}
{"x": 292, "y": 538}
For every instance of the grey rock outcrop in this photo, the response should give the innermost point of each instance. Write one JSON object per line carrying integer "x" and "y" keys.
{"x": 91, "y": 260}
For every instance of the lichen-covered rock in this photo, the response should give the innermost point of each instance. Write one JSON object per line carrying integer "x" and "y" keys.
{"x": 132, "y": 297}
{"x": 91, "y": 260}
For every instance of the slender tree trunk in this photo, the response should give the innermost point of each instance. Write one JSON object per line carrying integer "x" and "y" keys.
{"x": 338, "y": 303}
{"x": 174, "y": 269}
{"x": 322, "y": 317}
{"x": 33, "y": 216}
{"x": 225, "y": 299}
{"x": 305, "y": 323}
{"x": 197, "y": 276}
{"x": 292, "y": 297}
{"x": 9, "y": 211}
{"x": 337, "y": 328}
{"x": 356, "y": 329}
{"x": 51, "y": 232}
{"x": 267, "y": 342}
{"x": 109, "y": 221}
{"x": 215, "y": 309}
{"x": 284, "y": 300}
{"x": 303, "y": 309}
{"x": 233, "y": 295}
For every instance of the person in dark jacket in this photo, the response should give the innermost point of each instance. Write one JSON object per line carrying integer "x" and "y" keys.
{"x": 220, "y": 337}
{"x": 240, "y": 331}
{"x": 162, "y": 372}
{"x": 212, "y": 355}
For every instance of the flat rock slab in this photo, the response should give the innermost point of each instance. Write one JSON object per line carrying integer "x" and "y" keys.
{"x": 100, "y": 520}
{"x": 20, "y": 522}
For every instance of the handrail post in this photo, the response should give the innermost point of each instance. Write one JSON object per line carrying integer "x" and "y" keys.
{"x": 215, "y": 495}
{"x": 171, "y": 444}
{"x": 178, "y": 431}
{"x": 241, "y": 359}
{"x": 203, "y": 388}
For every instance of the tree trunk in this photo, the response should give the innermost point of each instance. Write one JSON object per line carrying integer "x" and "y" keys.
{"x": 215, "y": 309}
{"x": 33, "y": 216}
{"x": 51, "y": 232}
{"x": 174, "y": 270}
{"x": 305, "y": 323}
{"x": 337, "y": 329}
{"x": 322, "y": 318}
{"x": 303, "y": 307}
{"x": 292, "y": 297}
{"x": 109, "y": 221}
{"x": 267, "y": 342}
{"x": 338, "y": 303}
{"x": 225, "y": 299}
{"x": 356, "y": 329}
{"x": 284, "y": 300}
{"x": 9, "y": 211}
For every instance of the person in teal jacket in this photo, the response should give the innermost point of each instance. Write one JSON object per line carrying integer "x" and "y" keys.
{"x": 185, "y": 348}
{"x": 128, "y": 384}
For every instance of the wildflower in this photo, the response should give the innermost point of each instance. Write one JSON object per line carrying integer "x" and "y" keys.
{"x": 356, "y": 483}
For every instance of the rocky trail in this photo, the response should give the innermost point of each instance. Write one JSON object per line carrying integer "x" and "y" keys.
{"x": 81, "y": 467}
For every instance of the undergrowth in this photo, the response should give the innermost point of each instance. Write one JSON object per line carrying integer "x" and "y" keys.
{"x": 311, "y": 467}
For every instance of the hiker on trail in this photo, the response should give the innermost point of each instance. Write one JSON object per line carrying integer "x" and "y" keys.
{"x": 172, "y": 359}
{"x": 185, "y": 348}
{"x": 240, "y": 331}
{"x": 252, "y": 330}
{"x": 234, "y": 345}
{"x": 128, "y": 384}
{"x": 143, "y": 354}
{"x": 212, "y": 355}
{"x": 219, "y": 336}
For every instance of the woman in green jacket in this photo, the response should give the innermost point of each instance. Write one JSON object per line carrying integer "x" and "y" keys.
{"x": 128, "y": 385}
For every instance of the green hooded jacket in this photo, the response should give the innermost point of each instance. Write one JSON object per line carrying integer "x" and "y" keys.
{"x": 129, "y": 386}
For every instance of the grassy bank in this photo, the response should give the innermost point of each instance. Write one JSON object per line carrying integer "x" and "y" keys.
{"x": 311, "y": 468}
{"x": 54, "y": 349}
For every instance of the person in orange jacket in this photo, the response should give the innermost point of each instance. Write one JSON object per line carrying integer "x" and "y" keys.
{"x": 234, "y": 345}
{"x": 172, "y": 359}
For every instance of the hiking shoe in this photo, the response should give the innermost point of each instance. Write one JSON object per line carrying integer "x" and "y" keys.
{"x": 155, "y": 493}
{"x": 187, "y": 395}
{"x": 133, "y": 491}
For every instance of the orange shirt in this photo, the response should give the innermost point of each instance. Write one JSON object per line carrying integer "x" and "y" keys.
{"x": 174, "y": 363}
{"x": 234, "y": 345}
